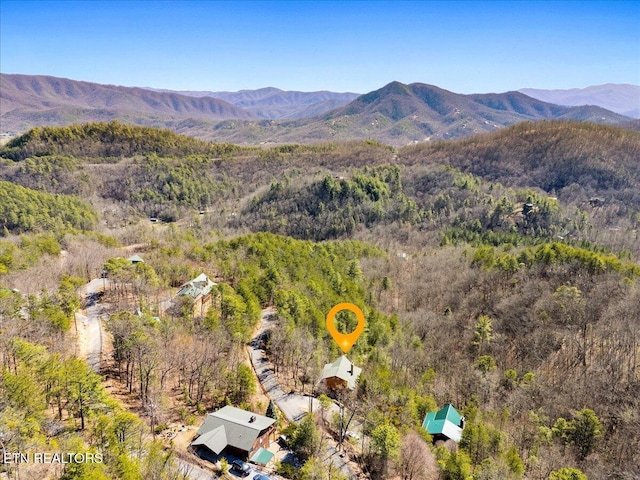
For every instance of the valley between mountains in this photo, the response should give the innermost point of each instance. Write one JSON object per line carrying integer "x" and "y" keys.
{"x": 396, "y": 114}
{"x": 498, "y": 272}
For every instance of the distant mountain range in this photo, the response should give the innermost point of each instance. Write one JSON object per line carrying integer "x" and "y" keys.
{"x": 427, "y": 112}
{"x": 620, "y": 98}
{"x": 396, "y": 114}
{"x": 33, "y": 100}
{"x": 273, "y": 103}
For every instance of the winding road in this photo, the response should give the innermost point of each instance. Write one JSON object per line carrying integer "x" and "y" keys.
{"x": 292, "y": 405}
{"x": 90, "y": 337}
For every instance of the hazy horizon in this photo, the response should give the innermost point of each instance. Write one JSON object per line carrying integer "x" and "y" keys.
{"x": 464, "y": 47}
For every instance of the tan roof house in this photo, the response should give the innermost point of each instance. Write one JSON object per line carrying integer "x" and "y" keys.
{"x": 340, "y": 374}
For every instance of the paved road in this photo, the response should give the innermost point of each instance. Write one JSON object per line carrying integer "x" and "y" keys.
{"x": 193, "y": 472}
{"x": 292, "y": 405}
{"x": 337, "y": 459}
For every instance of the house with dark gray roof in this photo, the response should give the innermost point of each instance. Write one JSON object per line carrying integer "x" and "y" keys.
{"x": 340, "y": 374}
{"x": 245, "y": 434}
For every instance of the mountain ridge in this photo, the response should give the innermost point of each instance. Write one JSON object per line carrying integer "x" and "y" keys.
{"x": 274, "y": 103}
{"x": 416, "y": 112}
{"x": 397, "y": 113}
{"x": 622, "y": 98}
{"x": 40, "y": 96}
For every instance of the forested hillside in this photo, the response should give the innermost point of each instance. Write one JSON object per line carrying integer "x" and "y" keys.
{"x": 499, "y": 273}
{"x": 25, "y": 210}
{"x": 572, "y": 160}
{"x": 332, "y": 207}
{"x": 106, "y": 140}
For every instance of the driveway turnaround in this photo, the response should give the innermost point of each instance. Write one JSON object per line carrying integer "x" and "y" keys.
{"x": 292, "y": 405}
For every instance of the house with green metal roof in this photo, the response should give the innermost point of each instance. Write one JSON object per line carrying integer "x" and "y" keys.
{"x": 200, "y": 290}
{"x": 446, "y": 423}
{"x": 245, "y": 434}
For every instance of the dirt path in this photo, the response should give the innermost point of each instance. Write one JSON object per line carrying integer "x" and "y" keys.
{"x": 89, "y": 323}
{"x": 92, "y": 346}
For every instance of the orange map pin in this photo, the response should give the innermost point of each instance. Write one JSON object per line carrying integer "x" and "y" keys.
{"x": 345, "y": 340}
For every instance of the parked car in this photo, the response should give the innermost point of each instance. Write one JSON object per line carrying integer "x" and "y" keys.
{"x": 261, "y": 477}
{"x": 241, "y": 467}
{"x": 353, "y": 435}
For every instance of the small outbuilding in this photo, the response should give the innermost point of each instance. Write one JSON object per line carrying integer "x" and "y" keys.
{"x": 445, "y": 424}
{"x": 135, "y": 259}
{"x": 340, "y": 374}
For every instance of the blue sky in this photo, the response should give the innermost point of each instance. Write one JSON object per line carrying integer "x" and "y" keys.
{"x": 357, "y": 46}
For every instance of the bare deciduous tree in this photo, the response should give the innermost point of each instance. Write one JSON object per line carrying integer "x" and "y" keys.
{"x": 416, "y": 461}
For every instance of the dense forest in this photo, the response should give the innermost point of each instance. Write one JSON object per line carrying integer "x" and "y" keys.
{"x": 574, "y": 161}
{"x": 332, "y": 207}
{"x": 499, "y": 273}
{"x": 107, "y": 140}
{"x": 25, "y": 210}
